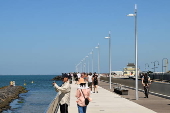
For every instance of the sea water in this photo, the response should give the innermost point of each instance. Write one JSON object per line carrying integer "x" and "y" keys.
{"x": 39, "y": 96}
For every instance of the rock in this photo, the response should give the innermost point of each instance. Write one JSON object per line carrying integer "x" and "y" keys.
{"x": 9, "y": 93}
{"x": 57, "y": 78}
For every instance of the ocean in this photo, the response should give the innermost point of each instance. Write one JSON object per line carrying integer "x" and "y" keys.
{"x": 39, "y": 96}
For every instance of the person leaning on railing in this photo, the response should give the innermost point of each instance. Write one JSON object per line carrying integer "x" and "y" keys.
{"x": 64, "y": 93}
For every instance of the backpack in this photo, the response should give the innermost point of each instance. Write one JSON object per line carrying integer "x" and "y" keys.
{"x": 95, "y": 79}
{"x": 145, "y": 78}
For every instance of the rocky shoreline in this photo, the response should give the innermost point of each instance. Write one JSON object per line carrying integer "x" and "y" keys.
{"x": 57, "y": 78}
{"x": 9, "y": 93}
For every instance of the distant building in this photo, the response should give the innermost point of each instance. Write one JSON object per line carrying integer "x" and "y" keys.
{"x": 129, "y": 70}
{"x": 120, "y": 73}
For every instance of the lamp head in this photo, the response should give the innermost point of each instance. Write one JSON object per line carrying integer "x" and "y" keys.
{"x": 131, "y": 15}
{"x": 106, "y": 37}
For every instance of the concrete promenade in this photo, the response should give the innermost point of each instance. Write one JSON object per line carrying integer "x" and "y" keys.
{"x": 154, "y": 102}
{"x": 107, "y": 102}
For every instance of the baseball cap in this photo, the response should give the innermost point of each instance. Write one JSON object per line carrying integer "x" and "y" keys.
{"x": 65, "y": 76}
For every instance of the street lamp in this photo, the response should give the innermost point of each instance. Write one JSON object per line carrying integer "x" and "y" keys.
{"x": 92, "y": 60}
{"x": 109, "y": 56}
{"x": 79, "y": 67}
{"x": 82, "y": 65}
{"x": 75, "y": 68}
{"x": 147, "y": 65}
{"x": 154, "y": 65}
{"x": 164, "y": 66}
{"x": 98, "y": 59}
{"x": 166, "y": 63}
{"x": 88, "y": 64}
{"x": 136, "y": 49}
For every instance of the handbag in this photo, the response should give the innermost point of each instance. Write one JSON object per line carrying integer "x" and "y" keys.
{"x": 86, "y": 99}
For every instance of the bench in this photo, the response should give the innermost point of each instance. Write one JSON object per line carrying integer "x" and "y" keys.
{"x": 120, "y": 90}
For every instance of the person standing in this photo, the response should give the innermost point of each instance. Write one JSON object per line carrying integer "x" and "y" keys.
{"x": 75, "y": 77}
{"x": 64, "y": 94}
{"x": 82, "y": 93}
{"x": 90, "y": 81}
{"x": 70, "y": 78}
{"x": 78, "y": 75}
{"x": 95, "y": 83}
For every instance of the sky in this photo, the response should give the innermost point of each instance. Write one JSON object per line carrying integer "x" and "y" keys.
{"x": 53, "y": 36}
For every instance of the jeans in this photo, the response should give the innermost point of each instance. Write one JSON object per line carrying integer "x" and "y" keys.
{"x": 82, "y": 109}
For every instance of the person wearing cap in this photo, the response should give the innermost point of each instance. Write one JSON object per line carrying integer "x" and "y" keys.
{"x": 64, "y": 93}
{"x": 82, "y": 92}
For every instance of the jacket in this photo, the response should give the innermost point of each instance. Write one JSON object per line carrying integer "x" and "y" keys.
{"x": 80, "y": 98}
{"x": 64, "y": 93}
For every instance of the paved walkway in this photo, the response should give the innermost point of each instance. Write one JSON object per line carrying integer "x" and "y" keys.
{"x": 154, "y": 102}
{"x": 107, "y": 102}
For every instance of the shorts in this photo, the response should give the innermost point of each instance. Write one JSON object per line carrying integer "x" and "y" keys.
{"x": 95, "y": 83}
{"x": 89, "y": 84}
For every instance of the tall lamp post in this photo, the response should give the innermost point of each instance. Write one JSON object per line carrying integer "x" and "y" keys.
{"x": 79, "y": 67}
{"x": 82, "y": 66}
{"x": 147, "y": 65}
{"x": 136, "y": 49}
{"x": 87, "y": 64}
{"x": 98, "y": 59}
{"x": 109, "y": 37}
{"x": 154, "y": 65}
{"x": 92, "y": 60}
{"x": 76, "y": 68}
{"x": 164, "y": 66}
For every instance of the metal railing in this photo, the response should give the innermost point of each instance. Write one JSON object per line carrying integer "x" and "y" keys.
{"x": 54, "y": 105}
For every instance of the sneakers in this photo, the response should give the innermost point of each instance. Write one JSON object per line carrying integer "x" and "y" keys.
{"x": 91, "y": 91}
{"x": 97, "y": 91}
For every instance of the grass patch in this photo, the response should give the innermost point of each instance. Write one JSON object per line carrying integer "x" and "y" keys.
{"x": 20, "y": 101}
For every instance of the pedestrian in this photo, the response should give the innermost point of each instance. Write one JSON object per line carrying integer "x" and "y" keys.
{"x": 90, "y": 81}
{"x": 78, "y": 75}
{"x": 85, "y": 77}
{"x": 70, "y": 78}
{"x": 82, "y": 93}
{"x": 75, "y": 78}
{"x": 95, "y": 83}
{"x": 64, "y": 93}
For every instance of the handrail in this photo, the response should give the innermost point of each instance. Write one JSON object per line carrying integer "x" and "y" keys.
{"x": 54, "y": 105}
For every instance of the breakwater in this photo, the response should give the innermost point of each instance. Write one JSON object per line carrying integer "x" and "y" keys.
{"x": 57, "y": 78}
{"x": 9, "y": 93}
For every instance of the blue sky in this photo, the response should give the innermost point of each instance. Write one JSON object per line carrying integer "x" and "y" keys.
{"x": 52, "y": 36}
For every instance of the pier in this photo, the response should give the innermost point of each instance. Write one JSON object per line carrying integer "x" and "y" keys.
{"x": 107, "y": 102}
